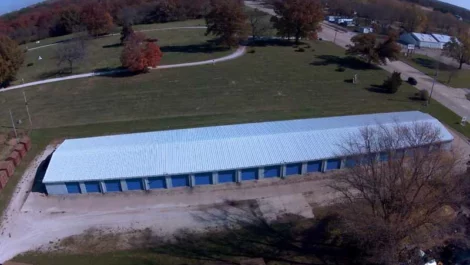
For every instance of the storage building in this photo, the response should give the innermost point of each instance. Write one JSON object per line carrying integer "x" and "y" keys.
{"x": 442, "y": 39}
{"x": 211, "y": 155}
{"x": 420, "y": 40}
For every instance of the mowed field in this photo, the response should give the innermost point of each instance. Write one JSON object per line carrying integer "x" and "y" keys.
{"x": 103, "y": 53}
{"x": 446, "y": 73}
{"x": 274, "y": 82}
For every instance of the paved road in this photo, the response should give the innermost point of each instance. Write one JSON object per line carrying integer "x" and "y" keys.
{"x": 452, "y": 98}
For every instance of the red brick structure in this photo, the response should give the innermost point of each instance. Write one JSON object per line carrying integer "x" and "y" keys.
{"x": 21, "y": 149}
{"x": 3, "y": 179}
{"x": 26, "y": 141}
{"x": 8, "y": 167}
{"x": 15, "y": 158}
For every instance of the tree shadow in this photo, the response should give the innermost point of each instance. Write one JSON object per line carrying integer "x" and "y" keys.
{"x": 265, "y": 42}
{"x": 194, "y": 48}
{"x": 240, "y": 231}
{"x": 345, "y": 62}
{"x": 432, "y": 64}
{"x": 54, "y": 73}
{"x": 38, "y": 186}
{"x": 114, "y": 72}
{"x": 377, "y": 89}
{"x": 115, "y": 45}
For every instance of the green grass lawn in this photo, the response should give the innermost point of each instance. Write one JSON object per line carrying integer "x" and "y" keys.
{"x": 428, "y": 65}
{"x": 274, "y": 83}
{"x": 178, "y": 46}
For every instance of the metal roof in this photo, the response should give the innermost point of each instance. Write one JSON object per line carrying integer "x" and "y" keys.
{"x": 442, "y": 38}
{"x": 424, "y": 37}
{"x": 214, "y": 148}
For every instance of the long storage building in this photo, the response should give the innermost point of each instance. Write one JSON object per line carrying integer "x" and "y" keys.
{"x": 211, "y": 155}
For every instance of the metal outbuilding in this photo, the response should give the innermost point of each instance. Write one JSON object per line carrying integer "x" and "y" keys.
{"x": 211, "y": 155}
{"x": 421, "y": 40}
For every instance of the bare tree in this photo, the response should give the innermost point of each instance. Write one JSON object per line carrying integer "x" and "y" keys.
{"x": 396, "y": 199}
{"x": 71, "y": 53}
{"x": 258, "y": 23}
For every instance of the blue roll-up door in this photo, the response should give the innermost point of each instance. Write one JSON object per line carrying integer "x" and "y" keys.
{"x": 351, "y": 162}
{"x": 249, "y": 174}
{"x": 226, "y": 176}
{"x": 73, "y": 187}
{"x": 92, "y": 186}
{"x": 134, "y": 184}
{"x": 293, "y": 169}
{"x": 203, "y": 179}
{"x": 314, "y": 166}
{"x": 157, "y": 183}
{"x": 333, "y": 164}
{"x": 112, "y": 185}
{"x": 272, "y": 172}
{"x": 180, "y": 181}
{"x": 383, "y": 156}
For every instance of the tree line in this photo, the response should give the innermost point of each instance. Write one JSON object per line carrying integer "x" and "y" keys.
{"x": 408, "y": 16}
{"x": 63, "y": 17}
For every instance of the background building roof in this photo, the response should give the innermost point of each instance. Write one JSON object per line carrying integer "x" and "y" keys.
{"x": 423, "y": 37}
{"x": 442, "y": 38}
{"x": 214, "y": 148}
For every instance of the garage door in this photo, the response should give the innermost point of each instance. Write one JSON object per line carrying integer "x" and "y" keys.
{"x": 180, "y": 181}
{"x": 226, "y": 176}
{"x": 73, "y": 187}
{"x": 383, "y": 157}
{"x": 112, "y": 185}
{"x": 314, "y": 166}
{"x": 272, "y": 172}
{"x": 92, "y": 186}
{"x": 134, "y": 184}
{"x": 157, "y": 183}
{"x": 351, "y": 162}
{"x": 249, "y": 174}
{"x": 333, "y": 164}
{"x": 293, "y": 169}
{"x": 203, "y": 179}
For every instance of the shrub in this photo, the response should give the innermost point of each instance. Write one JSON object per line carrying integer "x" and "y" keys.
{"x": 30, "y": 64}
{"x": 423, "y": 95}
{"x": 412, "y": 81}
{"x": 340, "y": 69}
{"x": 392, "y": 84}
{"x": 252, "y": 51}
{"x": 313, "y": 50}
{"x": 308, "y": 46}
{"x": 300, "y": 50}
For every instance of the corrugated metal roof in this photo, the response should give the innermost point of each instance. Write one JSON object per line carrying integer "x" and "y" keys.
{"x": 424, "y": 37}
{"x": 442, "y": 38}
{"x": 214, "y": 148}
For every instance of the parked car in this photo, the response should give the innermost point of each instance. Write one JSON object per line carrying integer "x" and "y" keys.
{"x": 412, "y": 81}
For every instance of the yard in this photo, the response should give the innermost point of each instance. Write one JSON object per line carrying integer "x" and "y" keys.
{"x": 274, "y": 82}
{"x": 178, "y": 46}
{"x": 446, "y": 73}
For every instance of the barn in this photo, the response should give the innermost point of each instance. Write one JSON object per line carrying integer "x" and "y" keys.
{"x": 211, "y": 155}
{"x": 420, "y": 40}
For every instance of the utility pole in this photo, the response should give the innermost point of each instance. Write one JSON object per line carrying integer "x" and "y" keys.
{"x": 27, "y": 110}
{"x": 336, "y": 32}
{"x": 14, "y": 127}
{"x": 434, "y": 80}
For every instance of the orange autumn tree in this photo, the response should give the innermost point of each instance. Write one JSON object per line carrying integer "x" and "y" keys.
{"x": 139, "y": 54}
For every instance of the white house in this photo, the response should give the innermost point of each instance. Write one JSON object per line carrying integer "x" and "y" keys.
{"x": 421, "y": 40}
{"x": 365, "y": 30}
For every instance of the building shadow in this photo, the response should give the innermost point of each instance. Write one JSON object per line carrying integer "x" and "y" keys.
{"x": 240, "y": 232}
{"x": 38, "y": 186}
{"x": 344, "y": 62}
